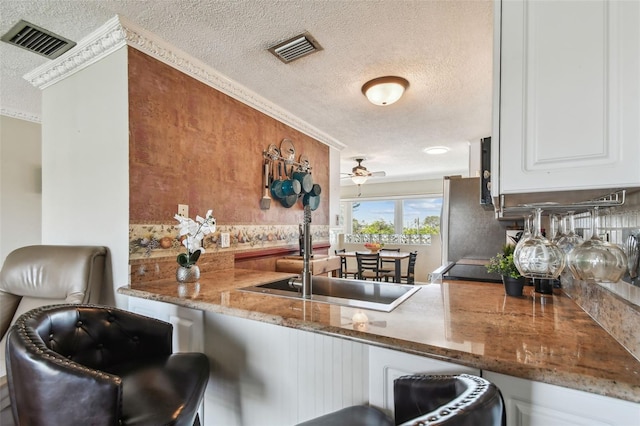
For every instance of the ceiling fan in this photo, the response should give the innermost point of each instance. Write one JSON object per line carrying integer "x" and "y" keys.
{"x": 359, "y": 174}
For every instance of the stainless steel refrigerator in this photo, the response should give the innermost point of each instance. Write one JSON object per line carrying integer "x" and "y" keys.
{"x": 469, "y": 231}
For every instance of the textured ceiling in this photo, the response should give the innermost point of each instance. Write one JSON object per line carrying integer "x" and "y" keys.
{"x": 444, "y": 49}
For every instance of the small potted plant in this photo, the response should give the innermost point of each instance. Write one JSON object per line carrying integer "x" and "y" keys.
{"x": 502, "y": 263}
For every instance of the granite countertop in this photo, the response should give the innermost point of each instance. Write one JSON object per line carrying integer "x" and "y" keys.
{"x": 544, "y": 338}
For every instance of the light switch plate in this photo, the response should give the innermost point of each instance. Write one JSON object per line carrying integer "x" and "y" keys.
{"x": 183, "y": 210}
{"x": 225, "y": 240}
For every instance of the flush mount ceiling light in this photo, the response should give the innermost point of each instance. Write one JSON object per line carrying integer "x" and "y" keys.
{"x": 384, "y": 91}
{"x": 436, "y": 150}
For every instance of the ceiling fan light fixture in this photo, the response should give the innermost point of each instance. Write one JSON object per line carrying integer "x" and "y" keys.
{"x": 436, "y": 150}
{"x": 359, "y": 180}
{"x": 385, "y": 91}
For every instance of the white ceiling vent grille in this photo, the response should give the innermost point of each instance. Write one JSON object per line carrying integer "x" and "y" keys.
{"x": 38, "y": 40}
{"x": 296, "y": 48}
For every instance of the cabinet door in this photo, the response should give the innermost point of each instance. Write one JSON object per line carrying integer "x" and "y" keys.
{"x": 530, "y": 403}
{"x": 569, "y": 95}
{"x": 188, "y": 324}
{"x": 386, "y": 365}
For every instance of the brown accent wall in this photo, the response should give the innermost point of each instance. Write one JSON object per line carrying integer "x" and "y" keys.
{"x": 191, "y": 144}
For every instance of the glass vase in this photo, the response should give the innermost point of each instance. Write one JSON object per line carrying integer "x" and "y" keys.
{"x": 596, "y": 260}
{"x": 188, "y": 274}
{"x": 537, "y": 257}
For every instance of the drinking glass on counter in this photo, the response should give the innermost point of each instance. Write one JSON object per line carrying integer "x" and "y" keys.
{"x": 596, "y": 260}
{"x": 537, "y": 257}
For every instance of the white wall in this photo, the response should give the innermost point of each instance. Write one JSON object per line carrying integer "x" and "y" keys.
{"x": 85, "y": 164}
{"x": 20, "y": 184}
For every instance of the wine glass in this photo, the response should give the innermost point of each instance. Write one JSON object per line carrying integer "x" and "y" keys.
{"x": 569, "y": 239}
{"x": 526, "y": 234}
{"x": 596, "y": 260}
{"x": 538, "y": 257}
{"x": 554, "y": 224}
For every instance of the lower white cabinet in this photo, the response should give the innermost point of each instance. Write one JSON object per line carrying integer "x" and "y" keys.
{"x": 386, "y": 365}
{"x": 530, "y": 403}
{"x": 188, "y": 324}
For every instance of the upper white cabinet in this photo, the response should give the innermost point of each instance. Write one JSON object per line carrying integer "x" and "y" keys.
{"x": 567, "y": 94}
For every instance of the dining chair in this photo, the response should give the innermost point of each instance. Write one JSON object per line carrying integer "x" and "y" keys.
{"x": 409, "y": 277}
{"x": 368, "y": 266}
{"x": 388, "y": 266}
{"x": 344, "y": 269}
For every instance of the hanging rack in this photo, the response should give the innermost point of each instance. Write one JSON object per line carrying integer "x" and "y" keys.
{"x": 614, "y": 199}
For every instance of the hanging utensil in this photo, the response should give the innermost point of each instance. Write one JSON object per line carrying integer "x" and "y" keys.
{"x": 276, "y": 185}
{"x": 313, "y": 201}
{"x": 305, "y": 179}
{"x": 287, "y": 151}
{"x": 265, "y": 202}
{"x": 633, "y": 255}
{"x": 292, "y": 196}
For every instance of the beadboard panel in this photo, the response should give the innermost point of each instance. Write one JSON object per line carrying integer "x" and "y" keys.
{"x": 308, "y": 374}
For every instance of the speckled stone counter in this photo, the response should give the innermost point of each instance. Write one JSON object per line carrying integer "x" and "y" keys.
{"x": 544, "y": 338}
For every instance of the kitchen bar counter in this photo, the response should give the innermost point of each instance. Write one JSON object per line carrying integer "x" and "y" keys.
{"x": 543, "y": 338}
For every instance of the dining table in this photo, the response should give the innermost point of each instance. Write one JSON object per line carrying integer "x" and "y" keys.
{"x": 396, "y": 256}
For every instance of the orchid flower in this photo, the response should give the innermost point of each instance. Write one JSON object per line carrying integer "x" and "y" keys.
{"x": 194, "y": 232}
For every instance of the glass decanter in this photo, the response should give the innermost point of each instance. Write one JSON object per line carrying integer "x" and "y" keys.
{"x": 538, "y": 257}
{"x": 596, "y": 260}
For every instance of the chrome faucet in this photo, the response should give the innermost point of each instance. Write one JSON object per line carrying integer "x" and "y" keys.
{"x": 306, "y": 255}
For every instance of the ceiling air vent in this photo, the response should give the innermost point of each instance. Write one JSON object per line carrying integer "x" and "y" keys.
{"x": 295, "y": 48}
{"x": 37, "y": 40}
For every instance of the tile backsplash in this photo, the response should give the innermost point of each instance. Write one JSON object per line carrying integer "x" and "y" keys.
{"x": 615, "y": 306}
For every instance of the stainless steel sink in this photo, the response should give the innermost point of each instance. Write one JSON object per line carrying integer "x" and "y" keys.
{"x": 362, "y": 294}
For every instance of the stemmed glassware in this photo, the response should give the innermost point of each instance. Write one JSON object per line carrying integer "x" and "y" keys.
{"x": 596, "y": 260}
{"x": 537, "y": 257}
{"x": 569, "y": 239}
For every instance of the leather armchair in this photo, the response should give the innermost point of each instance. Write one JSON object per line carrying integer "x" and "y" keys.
{"x": 97, "y": 365}
{"x": 452, "y": 400}
{"x": 447, "y": 400}
{"x": 41, "y": 275}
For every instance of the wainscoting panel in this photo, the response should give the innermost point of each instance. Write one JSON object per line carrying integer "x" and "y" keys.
{"x": 271, "y": 375}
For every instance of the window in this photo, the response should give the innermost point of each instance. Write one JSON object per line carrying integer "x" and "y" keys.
{"x": 392, "y": 220}
{"x": 373, "y": 217}
{"x": 421, "y": 216}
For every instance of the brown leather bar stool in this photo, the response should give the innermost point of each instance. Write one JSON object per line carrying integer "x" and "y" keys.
{"x": 446, "y": 400}
{"x": 98, "y": 365}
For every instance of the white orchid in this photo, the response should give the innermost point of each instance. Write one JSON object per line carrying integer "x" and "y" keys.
{"x": 194, "y": 230}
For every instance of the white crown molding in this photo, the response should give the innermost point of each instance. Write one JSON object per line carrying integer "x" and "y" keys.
{"x": 20, "y": 115}
{"x": 95, "y": 46}
{"x": 119, "y": 31}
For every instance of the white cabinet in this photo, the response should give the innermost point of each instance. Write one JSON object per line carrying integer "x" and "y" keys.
{"x": 530, "y": 403}
{"x": 386, "y": 365}
{"x": 188, "y": 324}
{"x": 568, "y": 94}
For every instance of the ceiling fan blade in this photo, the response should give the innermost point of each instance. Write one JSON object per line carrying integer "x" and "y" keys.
{"x": 378, "y": 174}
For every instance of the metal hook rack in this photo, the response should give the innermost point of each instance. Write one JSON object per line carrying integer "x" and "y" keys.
{"x": 614, "y": 199}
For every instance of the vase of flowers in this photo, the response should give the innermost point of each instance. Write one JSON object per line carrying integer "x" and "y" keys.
{"x": 503, "y": 264}
{"x": 191, "y": 234}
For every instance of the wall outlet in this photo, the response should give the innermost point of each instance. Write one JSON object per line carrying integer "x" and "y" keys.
{"x": 225, "y": 240}
{"x": 183, "y": 210}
